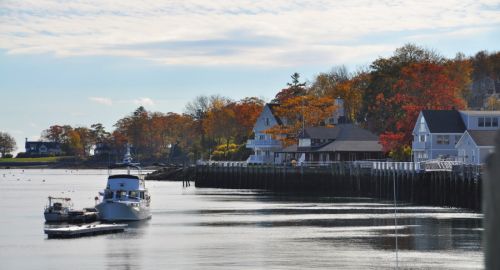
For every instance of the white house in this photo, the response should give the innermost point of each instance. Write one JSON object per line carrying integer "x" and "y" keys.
{"x": 436, "y": 132}
{"x": 476, "y": 145}
{"x": 263, "y": 145}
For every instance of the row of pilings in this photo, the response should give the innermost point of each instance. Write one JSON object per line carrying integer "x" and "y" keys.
{"x": 460, "y": 187}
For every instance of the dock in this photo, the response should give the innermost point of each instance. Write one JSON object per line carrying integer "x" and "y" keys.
{"x": 73, "y": 231}
{"x": 457, "y": 186}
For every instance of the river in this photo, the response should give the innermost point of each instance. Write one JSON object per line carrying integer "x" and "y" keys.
{"x": 195, "y": 228}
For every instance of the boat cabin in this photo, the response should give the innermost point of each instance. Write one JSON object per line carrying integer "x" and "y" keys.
{"x": 124, "y": 187}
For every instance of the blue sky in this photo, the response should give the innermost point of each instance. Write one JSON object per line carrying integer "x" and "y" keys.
{"x": 84, "y": 62}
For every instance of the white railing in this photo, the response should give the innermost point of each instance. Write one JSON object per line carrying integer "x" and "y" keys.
{"x": 397, "y": 166}
{"x": 222, "y": 163}
{"x": 440, "y": 165}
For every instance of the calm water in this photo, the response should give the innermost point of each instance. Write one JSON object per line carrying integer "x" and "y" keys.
{"x": 232, "y": 229}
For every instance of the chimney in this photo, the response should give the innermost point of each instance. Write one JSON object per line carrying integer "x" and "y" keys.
{"x": 339, "y": 114}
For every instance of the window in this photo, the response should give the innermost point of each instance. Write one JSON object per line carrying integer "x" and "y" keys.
{"x": 262, "y": 137}
{"x": 268, "y": 121}
{"x": 487, "y": 121}
{"x": 495, "y": 122}
{"x": 422, "y": 124}
{"x": 480, "y": 121}
{"x": 422, "y": 138}
{"x": 443, "y": 139}
{"x": 108, "y": 194}
{"x": 132, "y": 194}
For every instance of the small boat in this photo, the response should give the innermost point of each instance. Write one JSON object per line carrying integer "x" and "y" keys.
{"x": 58, "y": 209}
{"x": 83, "y": 230}
{"x": 126, "y": 197}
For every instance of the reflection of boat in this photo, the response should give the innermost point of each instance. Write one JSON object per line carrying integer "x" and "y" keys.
{"x": 125, "y": 196}
{"x": 58, "y": 209}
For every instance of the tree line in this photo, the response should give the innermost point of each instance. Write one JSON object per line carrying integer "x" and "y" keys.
{"x": 384, "y": 97}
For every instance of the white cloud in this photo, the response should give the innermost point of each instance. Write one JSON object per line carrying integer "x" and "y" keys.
{"x": 144, "y": 101}
{"x": 247, "y": 32}
{"x": 102, "y": 100}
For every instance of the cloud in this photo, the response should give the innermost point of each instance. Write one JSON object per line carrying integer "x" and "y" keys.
{"x": 102, "y": 100}
{"x": 144, "y": 101}
{"x": 246, "y": 32}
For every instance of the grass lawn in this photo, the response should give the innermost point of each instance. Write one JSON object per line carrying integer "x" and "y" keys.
{"x": 41, "y": 159}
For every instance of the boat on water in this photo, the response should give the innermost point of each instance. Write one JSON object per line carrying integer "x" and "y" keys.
{"x": 58, "y": 209}
{"x": 126, "y": 197}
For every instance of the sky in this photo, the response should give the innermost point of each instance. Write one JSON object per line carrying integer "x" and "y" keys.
{"x": 82, "y": 62}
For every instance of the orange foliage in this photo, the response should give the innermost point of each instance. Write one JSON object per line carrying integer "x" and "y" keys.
{"x": 299, "y": 112}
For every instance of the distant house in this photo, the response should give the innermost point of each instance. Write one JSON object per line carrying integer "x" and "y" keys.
{"x": 344, "y": 142}
{"x": 476, "y": 145}
{"x": 436, "y": 132}
{"x": 40, "y": 148}
{"x": 263, "y": 145}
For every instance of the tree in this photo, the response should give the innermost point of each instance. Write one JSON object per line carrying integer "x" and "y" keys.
{"x": 295, "y": 89}
{"x": 300, "y": 112}
{"x": 7, "y": 143}
{"x": 421, "y": 86}
{"x": 384, "y": 73}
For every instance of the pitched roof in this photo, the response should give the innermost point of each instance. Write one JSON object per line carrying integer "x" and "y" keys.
{"x": 346, "y": 138}
{"x": 352, "y": 146}
{"x": 444, "y": 121}
{"x": 272, "y": 107}
{"x": 483, "y": 137}
{"x": 349, "y": 132}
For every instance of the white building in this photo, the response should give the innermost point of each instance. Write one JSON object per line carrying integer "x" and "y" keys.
{"x": 263, "y": 145}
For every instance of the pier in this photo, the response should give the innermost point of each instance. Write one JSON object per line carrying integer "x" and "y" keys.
{"x": 456, "y": 186}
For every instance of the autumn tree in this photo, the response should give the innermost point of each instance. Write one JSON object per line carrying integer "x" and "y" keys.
{"x": 246, "y": 112}
{"x": 421, "y": 86}
{"x": 7, "y": 143}
{"x": 339, "y": 83}
{"x": 299, "y": 112}
{"x": 384, "y": 73}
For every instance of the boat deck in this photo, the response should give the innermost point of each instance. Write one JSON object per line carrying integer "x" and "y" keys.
{"x": 72, "y": 231}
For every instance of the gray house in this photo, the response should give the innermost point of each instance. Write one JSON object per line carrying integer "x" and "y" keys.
{"x": 343, "y": 142}
{"x": 263, "y": 145}
{"x": 436, "y": 132}
{"x": 475, "y": 146}
{"x": 39, "y": 148}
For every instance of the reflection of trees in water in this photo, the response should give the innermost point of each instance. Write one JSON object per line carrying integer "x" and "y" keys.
{"x": 432, "y": 234}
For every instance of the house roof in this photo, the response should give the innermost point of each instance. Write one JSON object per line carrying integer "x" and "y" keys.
{"x": 272, "y": 107}
{"x": 483, "y": 137}
{"x": 349, "y": 132}
{"x": 481, "y": 113}
{"x": 444, "y": 121}
{"x": 40, "y": 143}
{"x": 352, "y": 146}
{"x": 346, "y": 137}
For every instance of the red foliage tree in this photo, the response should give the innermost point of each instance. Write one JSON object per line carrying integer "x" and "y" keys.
{"x": 421, "y": 86}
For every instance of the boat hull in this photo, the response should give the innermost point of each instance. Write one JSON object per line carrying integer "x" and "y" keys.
{"x": 119, "y": 211}
{"x": 56, "y": 217}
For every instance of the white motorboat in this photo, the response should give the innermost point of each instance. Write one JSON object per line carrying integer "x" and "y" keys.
{"x": 126, "y": 197}
{"x": 58, "y": 209}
